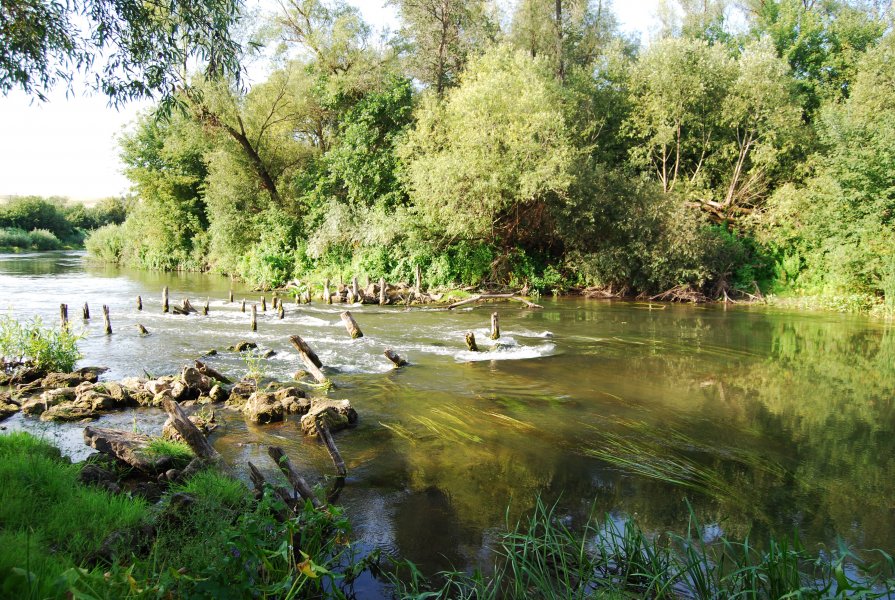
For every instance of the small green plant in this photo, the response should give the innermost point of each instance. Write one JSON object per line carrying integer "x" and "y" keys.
{"x": 179, "y": 451}
{"x": 254, "y": 361}
{"x": 45, "y": 348}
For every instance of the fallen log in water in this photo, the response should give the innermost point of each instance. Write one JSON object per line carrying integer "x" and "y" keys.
{"x": 192, "y": 435}
{"x": 327, "y": 438}
{"x": 295, "y": 479}
{"x": 487, "y": 297}
{"x": 210, "y": 372}
{"x": 309, "y": 358}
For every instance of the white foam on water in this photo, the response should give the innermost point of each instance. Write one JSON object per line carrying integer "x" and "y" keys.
{"x": 505, "y": 352}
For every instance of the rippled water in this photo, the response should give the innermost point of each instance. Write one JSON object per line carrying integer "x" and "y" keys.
{"x": 763, "y": 421}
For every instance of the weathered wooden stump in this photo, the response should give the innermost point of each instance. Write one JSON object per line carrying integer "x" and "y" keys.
{"x": 230, "y": 296}
{"x": 351, "y": 325}
{"x": 205, "y": 308}
{"x": 139, "y": 303}
{"x": 254, "y": 317}
{"x": 86, "y": 312}
{"x": 470, "y": 341}
{"x": 382, "y": 297}
{"x": 106, "y": 322}
{"x": 165, "y": 299}
{"x": 495, "y": 326}
{"x": 327, "y": 298}
{"x": 281, "y": 312}
{"x": 309, "y": 358}
{"x": 393, "y": 356}
{"x": 63, "y": 315}
{"x": 263, "y": 304}
{"x": 143, "y": 330}
{"x": 243, "y": 307}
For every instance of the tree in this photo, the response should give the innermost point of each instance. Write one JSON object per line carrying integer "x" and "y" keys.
{"x": 483, "y": 165}
{"x": 442, "y": 34}
{"x": 134, "y": 49}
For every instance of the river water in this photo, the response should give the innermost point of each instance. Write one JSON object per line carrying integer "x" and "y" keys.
{"x": 763, "y": 421}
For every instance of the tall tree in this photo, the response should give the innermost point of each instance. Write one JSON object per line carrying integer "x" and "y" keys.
{"x": 441, "y": 35}
{"x": 134, "y": 49}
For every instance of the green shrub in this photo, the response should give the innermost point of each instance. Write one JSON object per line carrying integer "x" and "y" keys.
{"x": 106, "y": 243}
{"x": 42, "y": 239}
{"x": 46, "y": 348}
{"x": 13, "y": 237}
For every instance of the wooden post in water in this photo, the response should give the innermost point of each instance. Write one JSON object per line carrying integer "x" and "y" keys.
{"x": 263, "y": 304}
{"x": 276, "y": 299}
{"x": 349, "y": 299}
{"x": 470, "y": 341}
{"x": 351, "y": 325}
{"x": 295, "y": 479}
{"x": 86, "y": 312}
{"x": 243, "y": 305}
{"x": 205, "y": 308}
{"x": 106, "y": 321}
{"x": 309, "y": 358}
{"x": 326, "y": 297}
{"x": 230, "y": 296}
{"x": 139, "y": 303}
{"x": 281, "y": 312}
{"x": 143, "y": 330}
{"x": 165, "y": 299}
{"x": 393, "y": 356}
{"x": 382, "y": 297}
{"x": 354, "y": 288}
{"x": 419, "y": 280}
{"x": 63, "y": 315}
{"x": 254, "y": 317}
{"x": 495, "y": 326}
{"x": 331, "y": 446}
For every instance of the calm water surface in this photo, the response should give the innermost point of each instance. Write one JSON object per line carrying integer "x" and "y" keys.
{"x": 763, "y": 421}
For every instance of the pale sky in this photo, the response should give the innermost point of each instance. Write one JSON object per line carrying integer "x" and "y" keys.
{"x": 68, "y": 147}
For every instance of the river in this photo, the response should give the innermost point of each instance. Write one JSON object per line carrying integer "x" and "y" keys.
{"x": 763, "y": 421}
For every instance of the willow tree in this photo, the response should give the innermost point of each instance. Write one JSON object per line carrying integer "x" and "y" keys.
{"x": 483, "y": 164}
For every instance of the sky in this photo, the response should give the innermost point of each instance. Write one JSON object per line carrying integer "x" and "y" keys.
{"x": 68, "y": 145}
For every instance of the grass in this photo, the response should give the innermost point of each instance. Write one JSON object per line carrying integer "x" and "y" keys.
{"x": 542, "y": 557}
{"x": 179, "y": 451}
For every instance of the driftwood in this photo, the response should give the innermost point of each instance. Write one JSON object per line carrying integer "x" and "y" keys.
{"x": 495, "y": 326}
{"x": 487, "y": 297}
{"x": 205, "y": 308}
{"x": 327, "y": 437}
{"x": 393, "y": 356}
{"x": 191, "y": 434}
{"x": 106, "y": 322}
{"x": 128, "y": 447}
{"x": 295, "y": 479}
{"x": 165, "y": 299}
{"x": 263, "y": 304}
{"x": 309, "y": 358}
{"x": 681, "y": 293}
{"x": 470, "y": 341}
{"x": 186, "y": 306}
{"x": 351, "y": 325}
{"x": 258, "y": 481}
{"x": 210, "y": 372}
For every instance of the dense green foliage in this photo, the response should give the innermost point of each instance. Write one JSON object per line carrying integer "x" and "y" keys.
{"x": 550, "y": 152}
{"x": 45, "y": 348}
{"x": 54, "y": 223}
{"x": 61, "y": 539}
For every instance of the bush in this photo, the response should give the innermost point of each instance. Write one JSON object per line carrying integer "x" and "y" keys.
{"x": 13, "y": 237}
{"x": 42, "y": 239}
{"x": 106, "y": 243}
{"x": 45, "y": 348}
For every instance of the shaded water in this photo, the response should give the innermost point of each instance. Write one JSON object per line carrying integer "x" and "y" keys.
{"x": 763, "y": 421}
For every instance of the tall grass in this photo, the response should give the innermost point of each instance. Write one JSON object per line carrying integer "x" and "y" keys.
{"x": 541, "y": 557}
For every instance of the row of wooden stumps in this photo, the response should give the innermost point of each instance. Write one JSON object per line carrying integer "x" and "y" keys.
{"x": 63, "y": 316}
{"x": 495, "y": 333}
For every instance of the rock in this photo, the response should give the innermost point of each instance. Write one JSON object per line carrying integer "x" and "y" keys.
{"x": 69, "y": 411}
{"x": 26, "y": 375}
{"x": 213, "y": 375}
{"x": 239, "y": 393}
{"x": 293, "y": 400}
{"x": 98, "y": 401}
{"x": 118, "y": 392}
{"x": 84, "y": 386}
{"x": 263, "y": 407}
{"x": 91, "y": 374}
{"x": 179, "y": 390}
{"x": 27, "y": 388}
{"x": 217, "y": 394}
{"x": 133, "y": 384}
{"x": 160, "y": 397}
{"x": 7, "y": 409}
{"x": 48, "y": 399}
{"x": 95, "y": 475}
{"x": 195, "y": 380}
{"x": 128, "y": 447}
{"x": 211, "y": 352}
{"x": 157, "y": 386}
{"x": 268, "y": 353}
{"x": 61, "y": 380}
{"x": 336, "y": 414}
{"x": 243, "y": 346}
